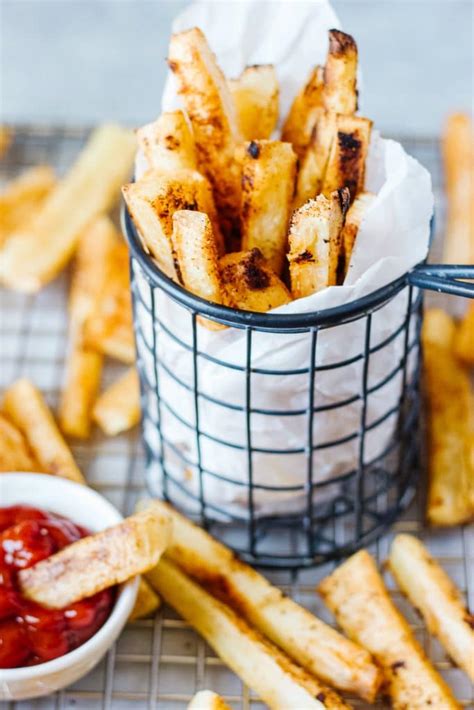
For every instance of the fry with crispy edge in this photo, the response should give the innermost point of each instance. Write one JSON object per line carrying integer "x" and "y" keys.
{"x": 268, "y": 183}
{"x": 212, "y": 111}
{"x": 24, "y": 405}
{"x": 168, "y": 143}
{"x": 22, "y": 197}
{"x": 340, "y": 74}
{"x": 354, "y": 218}
{"x": 464, "y": 338}
{"x": 458, "y": 154}
{"x": 315, "y": 243}
{"x": 450, "y": 424}
{"x": 357, "y": 596}
{"x": 250, "y": 284}
{"x": 98, "y": 561}
{"x": 255, "y": 95}
{"x": 278, "y": 681}
{"x": 434, "y": 594}
{"x": 304, "y": 112}
{"x": 15, "y": 454}
{"x": 305, "y": 638}
{"x": 314, "y": 162}
{"x": 207, "y": 700}
{"x": 118, "y": 407}
{"x": 109, "y": 327}
{"x": 37, "y": 254}
{"x": 346, "y": 162}
{"x": 146, "y": 603}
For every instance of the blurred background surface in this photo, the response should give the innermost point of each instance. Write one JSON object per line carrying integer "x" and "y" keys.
{"x": 84, "y": 61}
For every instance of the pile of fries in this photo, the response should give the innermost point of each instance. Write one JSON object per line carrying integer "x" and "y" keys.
{"x": 234, "y": 216}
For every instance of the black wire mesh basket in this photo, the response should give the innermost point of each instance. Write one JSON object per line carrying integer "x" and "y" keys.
{"x": 328, "y": 457}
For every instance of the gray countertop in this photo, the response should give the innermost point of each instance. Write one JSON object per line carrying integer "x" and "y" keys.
{"x": 83, "y": 61}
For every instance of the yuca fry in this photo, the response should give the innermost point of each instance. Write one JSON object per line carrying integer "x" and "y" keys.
{"x": 213, "y": 115}
{"x": 118, "y": 407}
{"x": 109, "y": 328}
{"x": 250, "y": 284}
{"x": 147, "y": 601}
{"x": 314, "y": 162}
{"x": 304, "y": 112}
{"x": 464, "y": 338}
{"x": 450, "y": 425}
{"x": 24, "y": 405}
{"x": 6, "y": 135}
{"x": 207, "y": 700}
{"x": 279, "y": 682}
{"x": 22, "y": 198}
{"x": 37, "y": 254}
{"x": 98, "y": 561}
{"x": 433, "y": 593}
{"x": 309, "y": 641}
{"x": 255, "y": 95}
{"x": 315, "y": 240}
{"x": 268, "y": 184}
{"x": 356, "y": 595}
{"x": 15, "y": 454}
{"x": 168, "y": 143}
{"x": 458, "y": 154}
{"x": 82, "y": 382}
{"x": 340, "y": 74}
{"x": 354, "y": 217}
{"x": 346, "y": 162}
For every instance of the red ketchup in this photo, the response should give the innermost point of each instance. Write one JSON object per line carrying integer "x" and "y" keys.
{"x": 30, "y": 634}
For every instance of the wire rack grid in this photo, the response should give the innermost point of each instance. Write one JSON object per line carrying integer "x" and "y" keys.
{"x": 160, "y": 663}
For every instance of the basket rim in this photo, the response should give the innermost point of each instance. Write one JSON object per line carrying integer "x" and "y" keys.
{"x": 251, "y": 319}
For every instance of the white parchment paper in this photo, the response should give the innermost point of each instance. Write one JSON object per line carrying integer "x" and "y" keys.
{"x": 393, "y": 237}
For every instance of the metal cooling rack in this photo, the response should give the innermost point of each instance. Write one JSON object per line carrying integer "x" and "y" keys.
{"x": 160, "y": 663}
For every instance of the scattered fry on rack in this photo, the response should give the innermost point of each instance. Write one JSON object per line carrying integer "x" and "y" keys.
{"x": 147, "y": 602}
{"x": 464, "y": 338}
{"x": 36, "y": 255}
{"x": 357, "y": 596}
{"x": 24, "y": 405}
{"x": 304, "y": 113}
{"x": 207, "y": 700}
{"x": 250, "y": 284}
{"x": 15, "y": 454}
{"x": 279, "y": 682}
{"x": 354, "y": 218}
{"x": 268, "y": 183}
{"x": 433, "y": 593}
{"x": 458, "y": 154}
{"x": 450, "y": 425}
{"x": 168, "y": 143}
{"x": 315, "y": 243}
{"x": 23, "y": 197}
{"x": 255, "y": 95}
{"x": 305, "y": 638}
{"x": 98, "y": 561}
{"x": 118, "y": 407}
{"x": 6, "y": 135}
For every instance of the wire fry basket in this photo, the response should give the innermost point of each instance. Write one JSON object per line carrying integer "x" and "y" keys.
{"x": 318, "y": 518}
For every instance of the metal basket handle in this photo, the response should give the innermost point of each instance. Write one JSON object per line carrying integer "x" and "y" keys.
{"x": 444, "y": 278}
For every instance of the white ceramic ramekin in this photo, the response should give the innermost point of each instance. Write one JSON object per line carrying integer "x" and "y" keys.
{"x": 85, "y": 507}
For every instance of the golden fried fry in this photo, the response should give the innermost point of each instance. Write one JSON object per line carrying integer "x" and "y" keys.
{"x": 207, "y": 700}
{"x": 37, "y": 254}
{"x": 458, "y": 154}
{"x": 147, "y": 602}
{"x": 346, "y": 162}
{"x": 304, "y": 112}
{"x": 464, "y": 339}
{"x": 24, "y": 405}
{"x": 250, "y": 284}
{"x": 268, "y": 183}
{"x": 118, "y": 408}
{"x": 315, "y": 241}
{"x": 255, "y": 95}
{"x": 168, "y": 143}
{"x": 315, "y": 160}
{"x": 6, "y": 135}
{"x": 354, "y": 218}
{"x": 15, "y": 454}
{"x": 356, "y": 595}
{"x": 278, "y": 681}
{"x": 82, "y": 383}
{"x": 22, "y": 198}
{"x": 305, "y": 638}
{"x": 98, "y": 561}
{"x": 211, "y": 109}
{"x": 433, "y": 593}
{"x": 450, "y": 425}
{"x": 340, "y": 74}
